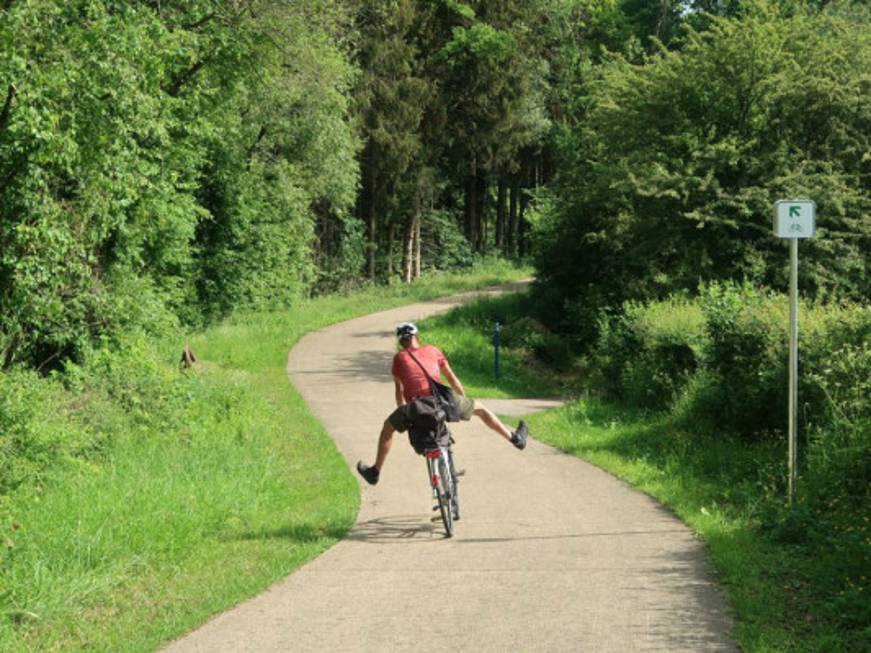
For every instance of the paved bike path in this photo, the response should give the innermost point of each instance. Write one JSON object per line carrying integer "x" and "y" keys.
{"x": 551, "y": 553}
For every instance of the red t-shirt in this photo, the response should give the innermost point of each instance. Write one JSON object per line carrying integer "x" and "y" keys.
{"x": 414, "y": 381}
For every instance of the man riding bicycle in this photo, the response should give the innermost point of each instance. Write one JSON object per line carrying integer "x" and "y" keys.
{"x": 412, "y": 367}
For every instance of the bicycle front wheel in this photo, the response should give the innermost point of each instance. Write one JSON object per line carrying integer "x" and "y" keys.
{"x": 455, "y": 493}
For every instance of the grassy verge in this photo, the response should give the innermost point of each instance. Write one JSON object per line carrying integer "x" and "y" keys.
{"x": 199, "y": 489}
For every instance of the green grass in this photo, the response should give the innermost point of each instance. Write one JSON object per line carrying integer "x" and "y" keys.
{"x": 794, "y": 583}
{"x": 465, "y": 335}
{"x": 214, "y": 484}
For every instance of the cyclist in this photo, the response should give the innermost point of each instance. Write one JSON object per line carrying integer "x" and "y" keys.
{"x": 411, "y": 383}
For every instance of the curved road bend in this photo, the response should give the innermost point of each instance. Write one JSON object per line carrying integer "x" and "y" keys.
{"x": 551, "y": 554}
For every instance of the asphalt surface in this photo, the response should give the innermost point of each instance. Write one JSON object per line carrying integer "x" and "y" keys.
{"x": 551, "y": 553}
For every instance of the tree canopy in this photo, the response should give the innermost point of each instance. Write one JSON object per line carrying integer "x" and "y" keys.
{"x": 670, "y": 178}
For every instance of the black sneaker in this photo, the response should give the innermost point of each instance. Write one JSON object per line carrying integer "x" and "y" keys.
{"x": 369, "y": 473}
{"x": 518, "y": 438}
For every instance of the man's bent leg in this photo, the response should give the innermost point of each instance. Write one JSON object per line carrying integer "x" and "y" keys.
{"x": 385, "y": 441}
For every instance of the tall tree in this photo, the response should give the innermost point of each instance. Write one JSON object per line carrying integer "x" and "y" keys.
{"x": 392, "y": 95}
{"x": 493, "y": 89}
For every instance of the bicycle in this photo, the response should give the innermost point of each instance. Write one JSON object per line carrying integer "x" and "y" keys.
{"x": 443, "y": 479}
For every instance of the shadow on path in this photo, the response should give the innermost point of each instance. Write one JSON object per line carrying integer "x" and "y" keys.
{"x": 396, "y": 529}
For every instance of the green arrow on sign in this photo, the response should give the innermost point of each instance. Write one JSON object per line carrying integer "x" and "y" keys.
{"x": 794, "y": 211}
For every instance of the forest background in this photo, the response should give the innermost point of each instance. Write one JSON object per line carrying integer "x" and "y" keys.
{"x": 167, "y": 165}
{"x": 182, "y": 160}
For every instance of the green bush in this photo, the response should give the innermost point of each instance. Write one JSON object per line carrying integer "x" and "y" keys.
{"x": 178, "y": 147}
{"x": 670, "y": 175}
{"x": 444, "y": 246}
{"x": 49, "y": 423}
{"x": 726, "y": 354}
{"x": 617, "y": 345}
{"x": 746, "y": 358}
{"x": 38, "y": 432}
{"x": 647, "y": 354}
{"x": 841, "y": 440}
{"x": 23, "y": 396}
{"x": 746, "y": 389}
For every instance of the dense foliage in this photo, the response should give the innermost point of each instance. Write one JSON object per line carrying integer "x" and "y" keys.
{"x": 163, "y": 155}
{"x": 721, "y": 356}
{"x": 164, "y": 160}
{"x": 669, "y": 177}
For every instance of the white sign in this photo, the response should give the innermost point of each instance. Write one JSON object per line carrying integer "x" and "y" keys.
{"x": 794, "y": 218}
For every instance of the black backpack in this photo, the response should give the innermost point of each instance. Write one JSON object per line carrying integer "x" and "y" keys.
{"x": 429, "y": 427}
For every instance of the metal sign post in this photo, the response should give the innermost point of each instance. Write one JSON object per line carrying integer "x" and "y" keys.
{"x": 793, "y": 367}
{"x": 793, "y": 219}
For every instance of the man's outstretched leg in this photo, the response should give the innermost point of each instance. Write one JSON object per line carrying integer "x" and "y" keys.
{"x": 385, "y": 441}
{"x": 517, "y": 438}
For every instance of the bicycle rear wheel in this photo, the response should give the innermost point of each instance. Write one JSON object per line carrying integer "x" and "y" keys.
{"x": 445, "y": 484}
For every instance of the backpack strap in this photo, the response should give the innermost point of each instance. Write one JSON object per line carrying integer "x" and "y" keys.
{"x": 426, "y": 374}
{"x": 444, "y": 396}
{"x": 423, "y": 369}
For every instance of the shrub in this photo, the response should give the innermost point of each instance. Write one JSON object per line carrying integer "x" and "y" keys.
{"x": 746, "y": 358}
{"x": 444, "y": 246}
{"x": 728, "y": 351}
{"x": 840, "y": 442}
{"x": 748, "y": 354}
{"x": 36, "y": 433}
{"x": 647, "y": 354}
{"x": 70, "y": 418}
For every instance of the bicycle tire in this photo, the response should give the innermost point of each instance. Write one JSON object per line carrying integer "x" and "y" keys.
{"x": 444, "y": 495}
{"x": 455, "y": 495}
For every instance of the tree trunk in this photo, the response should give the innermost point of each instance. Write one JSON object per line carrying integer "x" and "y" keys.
{"x": 371, "y": 220}
{"x": 408, "y": 250}
{"x": 511, "y": 244}
{"x": 481, "y": 236}
{"x": 471, "y": 208}
{"x": 417, "y": 247}
{"x": 391, "y": 240}
{"x": 406, "y": 254}
{"x": 522, "y": 227}
{"x": 501, "y": 201}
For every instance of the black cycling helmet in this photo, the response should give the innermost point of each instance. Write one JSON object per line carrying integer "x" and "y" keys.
{"x": 406, "y": 330}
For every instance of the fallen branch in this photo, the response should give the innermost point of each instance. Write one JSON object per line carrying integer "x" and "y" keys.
{"x": 187, "y": 357}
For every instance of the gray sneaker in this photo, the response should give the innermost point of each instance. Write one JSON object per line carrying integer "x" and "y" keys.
{"x": 518, "y": 438}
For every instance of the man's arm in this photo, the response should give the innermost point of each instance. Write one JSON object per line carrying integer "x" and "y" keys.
{"x": 452, "y": 379}
{"x": 400, "y": 396}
